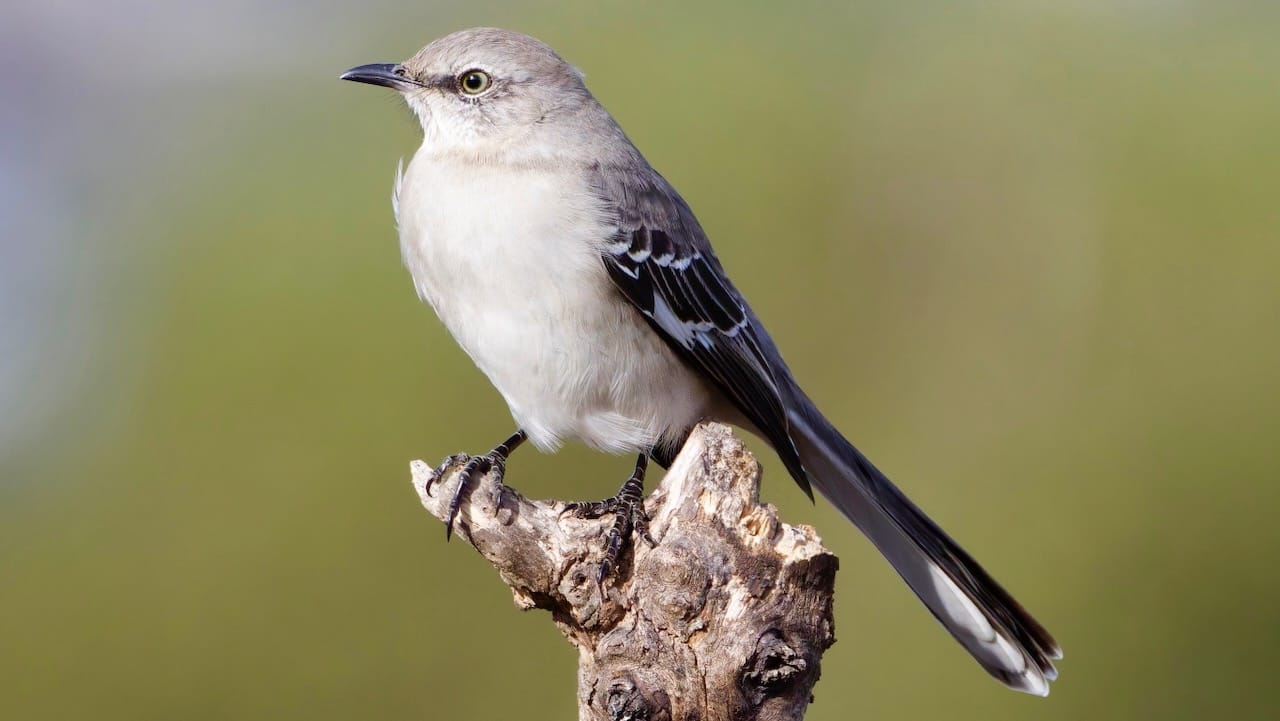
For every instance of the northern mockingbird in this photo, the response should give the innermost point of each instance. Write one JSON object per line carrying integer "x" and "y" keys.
{"x": 582, "y": 285}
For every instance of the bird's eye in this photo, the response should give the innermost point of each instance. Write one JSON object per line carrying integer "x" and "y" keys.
{"x": 474, "y": 82}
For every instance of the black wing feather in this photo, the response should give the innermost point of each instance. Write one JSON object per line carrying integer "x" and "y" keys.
{"x": 662, "y": 262}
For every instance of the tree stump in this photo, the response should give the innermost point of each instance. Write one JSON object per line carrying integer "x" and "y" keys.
{"x": 726, "y": 618}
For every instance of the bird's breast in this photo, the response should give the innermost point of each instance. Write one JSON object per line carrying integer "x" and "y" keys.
{"x": 468, "y": 232}
{"x": 511, "y": 262}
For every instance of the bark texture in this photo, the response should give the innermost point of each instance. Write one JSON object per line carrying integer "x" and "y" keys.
{"x": 725, "y": 618}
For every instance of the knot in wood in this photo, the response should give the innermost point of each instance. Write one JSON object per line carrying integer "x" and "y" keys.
{"x": 772, "y": 669}
{"x": 624, "y": 701}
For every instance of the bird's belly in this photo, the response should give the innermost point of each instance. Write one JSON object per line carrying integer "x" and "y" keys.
{"x": 521, "y": 286}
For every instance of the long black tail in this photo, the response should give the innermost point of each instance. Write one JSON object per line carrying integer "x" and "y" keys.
{"x": 981, "y": 615}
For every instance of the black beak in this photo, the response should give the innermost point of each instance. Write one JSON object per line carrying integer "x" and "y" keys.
{"x": 389, "y": 75}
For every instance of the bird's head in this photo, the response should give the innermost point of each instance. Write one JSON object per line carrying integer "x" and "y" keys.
{"x": 482, "y": 89}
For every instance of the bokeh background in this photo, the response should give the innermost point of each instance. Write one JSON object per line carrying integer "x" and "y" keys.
{"x": 1025, "y": 254}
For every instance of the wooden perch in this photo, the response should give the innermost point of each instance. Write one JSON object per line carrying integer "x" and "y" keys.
{"x": 726, "y": 618}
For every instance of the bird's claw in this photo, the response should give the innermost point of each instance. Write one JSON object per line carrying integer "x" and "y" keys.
{"x": 629, "y": 518}
{"x": 443, "y": 468}
{"x": 494, "y": 461}
{"x": 475, "y": 467}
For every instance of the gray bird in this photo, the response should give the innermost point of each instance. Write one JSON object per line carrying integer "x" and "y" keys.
{"x": 582, "y": 285}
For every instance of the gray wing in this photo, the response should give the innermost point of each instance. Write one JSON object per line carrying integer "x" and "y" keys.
{"x": 660, "y": 260}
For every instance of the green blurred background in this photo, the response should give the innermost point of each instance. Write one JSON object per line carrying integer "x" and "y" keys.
{"x": 1025, "y": 254}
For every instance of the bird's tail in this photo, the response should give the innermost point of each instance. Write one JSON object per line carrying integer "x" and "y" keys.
{"x": 981, "y": 615}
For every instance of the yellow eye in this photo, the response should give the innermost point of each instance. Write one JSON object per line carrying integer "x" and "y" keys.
{"x": 474, "y": 82}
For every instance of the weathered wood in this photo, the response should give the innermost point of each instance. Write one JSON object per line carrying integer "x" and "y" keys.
{"x": 726, "y": 618}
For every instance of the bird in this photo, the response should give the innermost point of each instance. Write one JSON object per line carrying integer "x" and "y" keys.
{"x": 582, "y": 285}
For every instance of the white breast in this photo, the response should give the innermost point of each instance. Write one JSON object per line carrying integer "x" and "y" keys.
{"x": 510, "y": 260}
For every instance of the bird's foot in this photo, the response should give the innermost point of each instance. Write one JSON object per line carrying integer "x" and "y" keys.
{"x": 629, "y": 517}
{"x": 476, "y": 467}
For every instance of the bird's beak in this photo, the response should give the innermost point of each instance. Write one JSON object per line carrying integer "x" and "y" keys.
{"x": 390, "y": 75}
